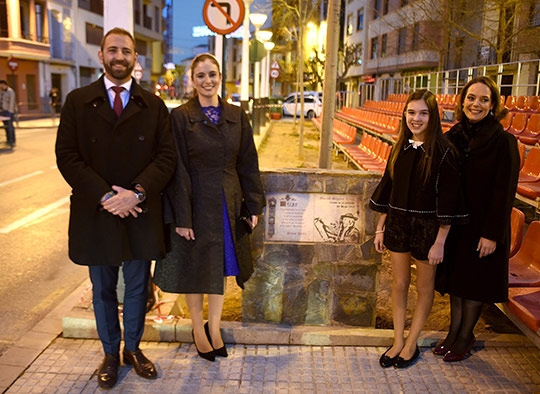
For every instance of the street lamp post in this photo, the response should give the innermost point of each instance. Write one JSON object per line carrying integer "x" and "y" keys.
{"x": 269, "y": 45}
{"x": 257, "y": 20}
{"x": 244, "y": 88}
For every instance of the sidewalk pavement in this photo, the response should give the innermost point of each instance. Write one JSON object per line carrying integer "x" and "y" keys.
{"x": 263, "y": 358}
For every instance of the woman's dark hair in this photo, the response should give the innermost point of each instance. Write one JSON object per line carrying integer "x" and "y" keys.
{"x": 498, "y": 110}
{"x": 433, "y": 138}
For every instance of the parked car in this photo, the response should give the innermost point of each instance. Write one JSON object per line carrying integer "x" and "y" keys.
{"x": 312, "y": 104}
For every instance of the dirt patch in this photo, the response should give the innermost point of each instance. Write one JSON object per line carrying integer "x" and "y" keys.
{"x": 280, "y": 150}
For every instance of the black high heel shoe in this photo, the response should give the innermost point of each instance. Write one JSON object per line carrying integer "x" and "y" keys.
{"x": 222, "y": 351}
{"x": 210, "y": 356}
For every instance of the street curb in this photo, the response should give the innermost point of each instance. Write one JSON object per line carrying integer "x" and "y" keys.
{"x": 81, "y": 324}
{"x": 17, "y": 358}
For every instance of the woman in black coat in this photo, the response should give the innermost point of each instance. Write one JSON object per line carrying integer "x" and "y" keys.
{"x": 216, "y": 187}
{"x": 475, "y": 269}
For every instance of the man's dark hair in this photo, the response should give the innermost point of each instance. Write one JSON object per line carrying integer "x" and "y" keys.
{"x": 117, "y": 31}
{"x": 3, "y": 81}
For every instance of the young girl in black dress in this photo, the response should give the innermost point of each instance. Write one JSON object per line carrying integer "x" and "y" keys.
{"x": 418, "y": 197}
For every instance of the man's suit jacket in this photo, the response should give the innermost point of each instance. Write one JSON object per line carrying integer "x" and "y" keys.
{"x": 95, "y": 150}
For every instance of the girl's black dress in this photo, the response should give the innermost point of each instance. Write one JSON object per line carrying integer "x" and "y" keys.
{"x": 416, "y": 208}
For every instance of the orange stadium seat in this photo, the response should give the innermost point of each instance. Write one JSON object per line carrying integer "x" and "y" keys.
{"x": 531, "y": 134}
{"x": 522, "y": 103}
{"x": 519, "y": 122}
{"x": 524, "y": 266}
{"x": 524, "y": 303}
{"x": 531, "y": 168}
{"x": 534, "y": 106}
{"x": 517, "y": 222}
{"x": 522, "y": 152}
{"x": 506, "y": 122}
{"x": 510, "y": 102}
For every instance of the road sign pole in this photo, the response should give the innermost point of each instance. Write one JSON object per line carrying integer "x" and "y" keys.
{"x": 244, "y": 80}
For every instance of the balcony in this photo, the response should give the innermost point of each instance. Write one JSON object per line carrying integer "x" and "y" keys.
{"x": 25, "y": 48}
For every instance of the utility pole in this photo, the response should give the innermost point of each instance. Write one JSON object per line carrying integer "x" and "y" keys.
{"x": 329, "y": 84}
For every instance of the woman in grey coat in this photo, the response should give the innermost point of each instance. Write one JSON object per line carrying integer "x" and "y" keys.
{"x": 216, "y": 187}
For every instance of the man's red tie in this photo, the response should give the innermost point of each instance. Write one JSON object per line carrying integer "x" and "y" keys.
{"x": 117, "y": 105}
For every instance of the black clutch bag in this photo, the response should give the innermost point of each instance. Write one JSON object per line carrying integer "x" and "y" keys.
{"x": 245, "y": 218}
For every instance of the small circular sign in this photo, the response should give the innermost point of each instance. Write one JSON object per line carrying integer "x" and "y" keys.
{"x": 274, "y": 73}
{"x": 137, "y": 74}
{"x": 12, "y": 63}
{"x": 223, "y": 16}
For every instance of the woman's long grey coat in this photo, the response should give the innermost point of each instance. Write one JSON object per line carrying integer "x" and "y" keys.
{"x": 213, "y": 161}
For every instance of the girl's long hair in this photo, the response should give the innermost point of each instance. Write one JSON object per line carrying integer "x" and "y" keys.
{"x": 434, "y": 138}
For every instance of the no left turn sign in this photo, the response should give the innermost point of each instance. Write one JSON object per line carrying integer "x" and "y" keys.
{"x": 223, "y": 16}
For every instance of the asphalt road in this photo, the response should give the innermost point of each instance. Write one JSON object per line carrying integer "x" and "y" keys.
{"x": 35, "y": 271}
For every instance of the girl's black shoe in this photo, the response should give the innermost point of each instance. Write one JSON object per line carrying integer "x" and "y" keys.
{"x": 222, "y": 351}
{"x": 401, "y": 363}
{"x": 386, "y": 361}
{"x": 210, "y": 356}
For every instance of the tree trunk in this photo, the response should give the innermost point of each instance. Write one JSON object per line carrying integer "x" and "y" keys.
{"x": 301, "y": 72}
{"x": 329, "y": 85}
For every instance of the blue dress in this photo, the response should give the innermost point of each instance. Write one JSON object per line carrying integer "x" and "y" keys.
{"x": 230, "y": 264}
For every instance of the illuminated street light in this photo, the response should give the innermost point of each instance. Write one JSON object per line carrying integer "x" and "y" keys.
{"x": 257, "y": 20}
{"x": 268, "y": 45}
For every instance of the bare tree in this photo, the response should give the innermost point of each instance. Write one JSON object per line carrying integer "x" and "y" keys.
{"x": 499, "y": 26}
{"x": 294, "y": 16}
{"x": 348, "y": 56}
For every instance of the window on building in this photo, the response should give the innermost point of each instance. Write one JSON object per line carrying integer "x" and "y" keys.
{"x": 349, "y": 24}
{"x": 24, "y": 12}
{"x": 384, "y": 41}
{"x": 137, "y": 11}
{"x": 156, "y": 19}
{"x": 416, "y": 36}
{"x": 376, "y": 9}
{"x": 3, "y": 19}
{"x": 404, "y": 2}
{"x": 374, "y": 47}
{"x": 359, "y": 54}
{"x": 141, "y": 47}
{"x": 360, "y": 19}
{"x": 385, "y": 7}
{"x": 95, "y": 6}
{"x": 147, "y": 16}
{"x": 40, "y": 18}
{"x": 94, "y": 34}
{"x": 402, "y": 41}
{"x": 57, "y": 32}
{"x": 534, "y": 15}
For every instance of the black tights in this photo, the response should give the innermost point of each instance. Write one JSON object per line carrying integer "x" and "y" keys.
{"x": 464, "y": 315}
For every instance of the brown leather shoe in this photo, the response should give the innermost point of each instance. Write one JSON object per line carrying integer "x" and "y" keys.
{"x": 142, "y": 366}
{"x": 107, "y": 374}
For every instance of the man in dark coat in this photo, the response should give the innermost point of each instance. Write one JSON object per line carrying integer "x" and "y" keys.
{"x": 115, "y": 149}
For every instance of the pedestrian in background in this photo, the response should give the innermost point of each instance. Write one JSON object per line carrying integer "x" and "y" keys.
{"x": 8, "y": 107}
{"x": 217, "y": 174}
{"x": 115, "y": 149}
{"x": 55, "y": 101}
{"x": 419, "y": 199}
{"x": 475, "y": 269}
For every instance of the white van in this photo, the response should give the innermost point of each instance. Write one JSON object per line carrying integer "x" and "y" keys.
{"x": 312, "y": 104}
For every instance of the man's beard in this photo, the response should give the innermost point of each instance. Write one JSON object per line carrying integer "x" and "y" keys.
{"x": 119, "y": 74}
